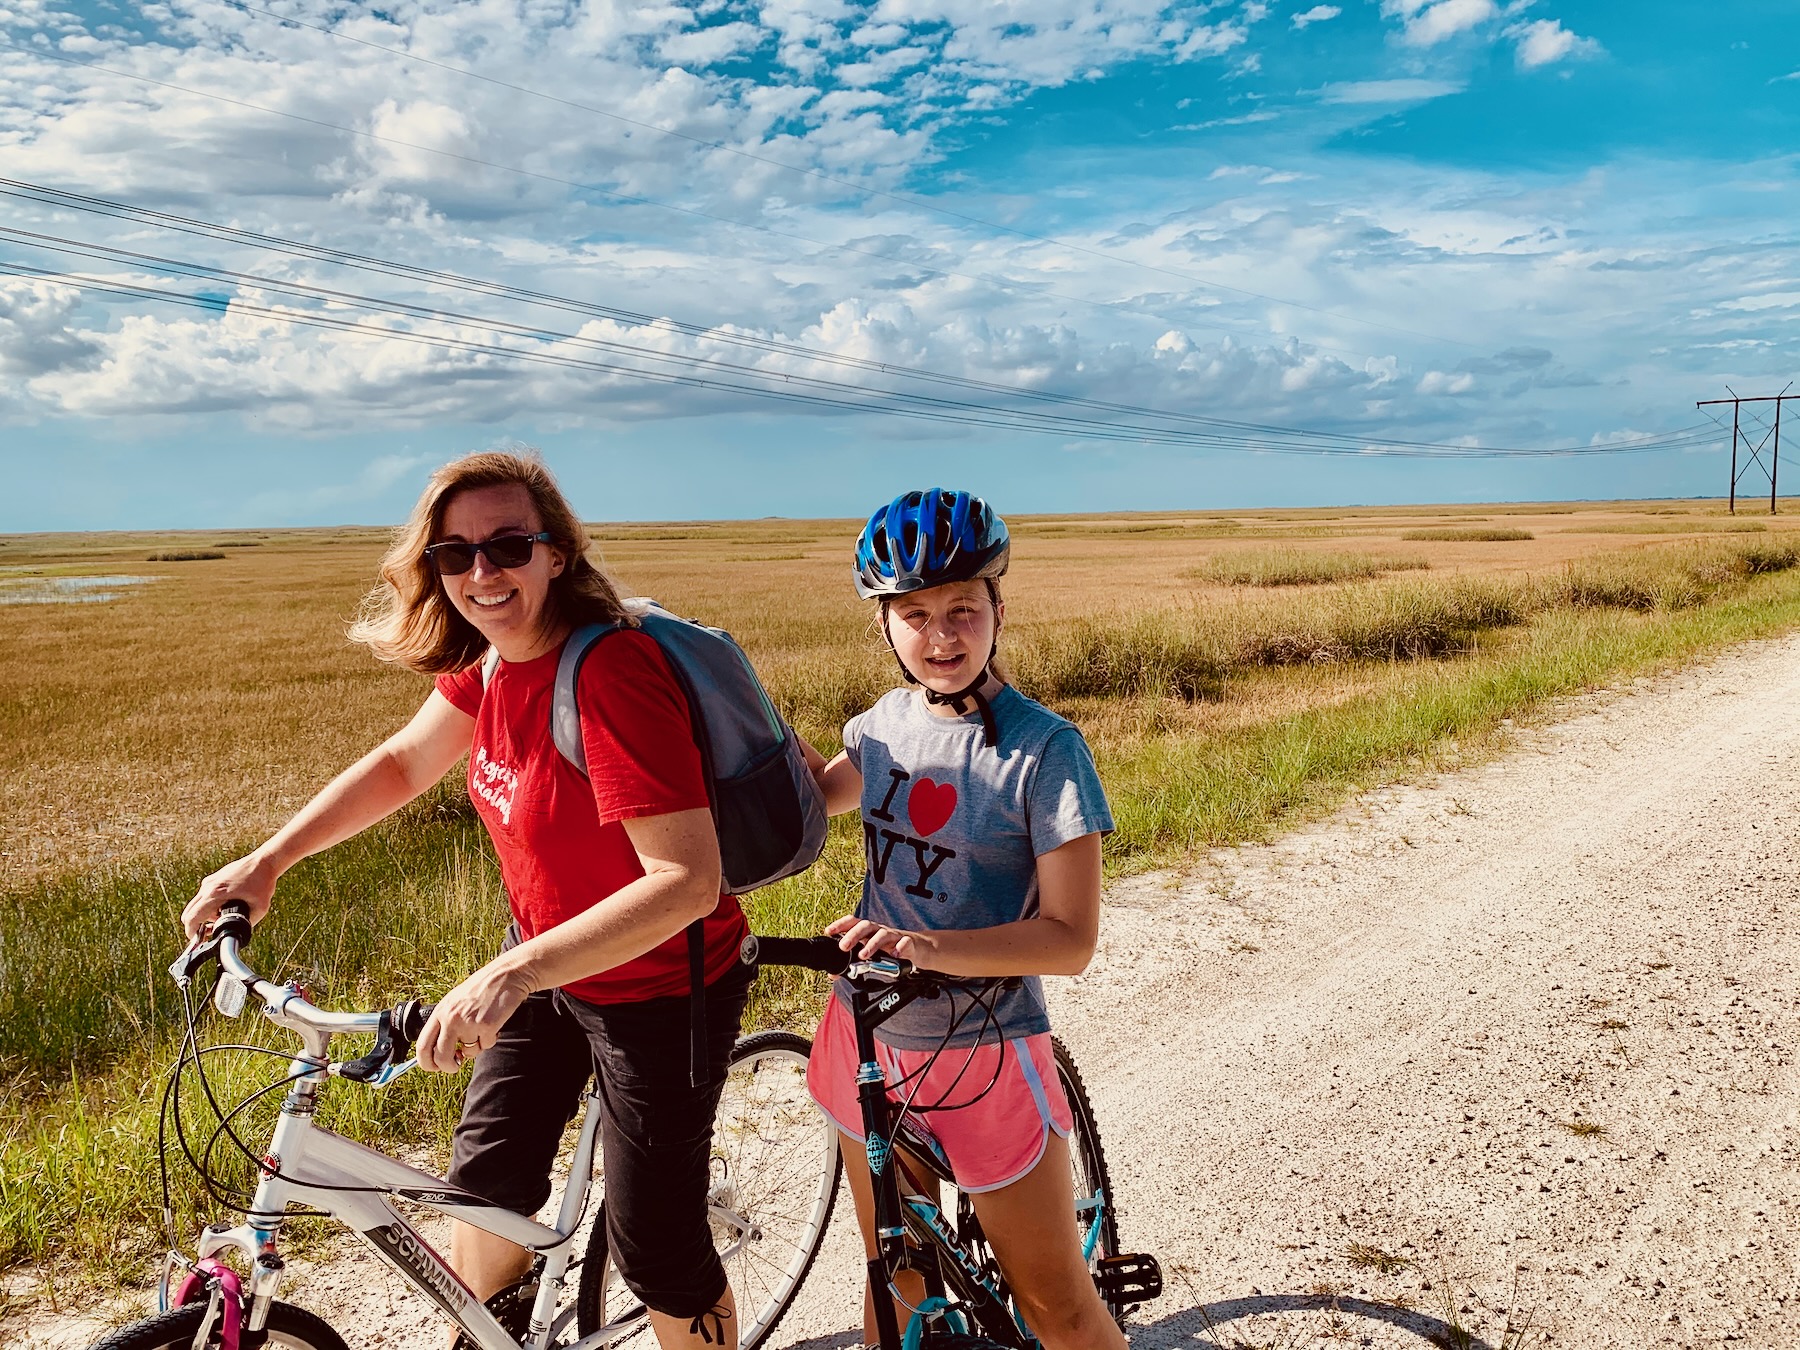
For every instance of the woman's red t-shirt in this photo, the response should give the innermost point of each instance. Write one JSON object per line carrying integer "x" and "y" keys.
{"x": 558, "y": 836}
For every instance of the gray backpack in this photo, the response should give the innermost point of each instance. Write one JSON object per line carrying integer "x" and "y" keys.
{"x": 769, "y": 812}
{"x": 766, "y": 806}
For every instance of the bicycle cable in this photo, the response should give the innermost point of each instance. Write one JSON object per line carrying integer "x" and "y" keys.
{"x": 192, "y": 1050}
{"x": 983, "y": 999}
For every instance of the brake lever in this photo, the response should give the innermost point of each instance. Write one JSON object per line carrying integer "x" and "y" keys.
{"x": 233, "y": 922}
{"x": 394, "y": 1036}
{"x": 887, "y": 969}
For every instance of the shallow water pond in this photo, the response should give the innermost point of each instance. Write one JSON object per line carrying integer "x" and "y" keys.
{"x": 65, "y": 590}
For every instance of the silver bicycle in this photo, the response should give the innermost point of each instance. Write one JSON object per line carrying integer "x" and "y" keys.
{"x": 774, "y": 1181}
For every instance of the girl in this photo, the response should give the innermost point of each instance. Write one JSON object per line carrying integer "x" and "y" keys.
{"x": 982, "y": 817}
{"x": 604, "y": 874}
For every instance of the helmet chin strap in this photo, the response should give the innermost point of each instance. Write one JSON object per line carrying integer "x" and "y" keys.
{"x": 990, "y": 732}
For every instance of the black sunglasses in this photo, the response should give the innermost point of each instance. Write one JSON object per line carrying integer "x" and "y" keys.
{"x": 503, "y": 550}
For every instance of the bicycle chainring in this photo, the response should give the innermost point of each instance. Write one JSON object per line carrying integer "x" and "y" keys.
{"x": 511, "y": 1308}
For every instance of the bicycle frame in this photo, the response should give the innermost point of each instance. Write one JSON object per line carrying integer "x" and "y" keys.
{"x": 899, "y": 1217}
{"x": 310, "y": 1165}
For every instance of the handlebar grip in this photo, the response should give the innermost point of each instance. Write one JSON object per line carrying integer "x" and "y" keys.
{"x": 812, "y": 953}
{"x": 410, "y": 1018}
{"x": 233, "y": 922}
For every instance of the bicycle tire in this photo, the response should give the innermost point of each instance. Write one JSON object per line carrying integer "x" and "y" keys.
{"x": 1087, "y": 1164}
{"x": 288, "y": 1328}
{"x": 775, "y": 1169}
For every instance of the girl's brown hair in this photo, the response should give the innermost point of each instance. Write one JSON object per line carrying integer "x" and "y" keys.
{"x": 407, "y": 619}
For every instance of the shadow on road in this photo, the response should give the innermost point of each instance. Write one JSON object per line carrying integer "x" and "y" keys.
{"x": 1217, "y": 1326}
{"x": 1210, "y": 1326}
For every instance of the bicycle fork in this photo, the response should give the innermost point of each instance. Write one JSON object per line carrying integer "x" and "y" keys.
{"x": 233, "y": 1308}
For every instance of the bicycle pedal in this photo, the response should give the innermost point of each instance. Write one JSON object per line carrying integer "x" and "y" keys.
{"x": 1131, "y": 1277}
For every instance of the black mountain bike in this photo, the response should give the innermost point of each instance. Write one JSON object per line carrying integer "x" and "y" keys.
{"x": 967, "y": 1301}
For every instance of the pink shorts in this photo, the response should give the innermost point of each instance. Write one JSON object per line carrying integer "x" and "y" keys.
{"x": 993, "y": 1140}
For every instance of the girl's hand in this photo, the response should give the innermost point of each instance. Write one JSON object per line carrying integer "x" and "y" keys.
{"x": 250, "y": 879}
{"x": 866, "y": 939}
{"x": 469, "y": 1018}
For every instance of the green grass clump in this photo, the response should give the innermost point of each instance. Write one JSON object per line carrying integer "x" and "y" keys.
{"x": 1666, "y": 579}
{"x": 1171, "y": 795}
{"x": 1392, "y": 623}
{"x": 1298, "y": 567}
{"x": 183, "y": 555}
{"x": 1469, "y": 536}
{"x": 1673, "y": 527}
{"x": 1152, "y": 654}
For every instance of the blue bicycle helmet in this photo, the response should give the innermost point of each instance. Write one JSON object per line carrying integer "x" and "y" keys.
{"x": 930, "y": 538}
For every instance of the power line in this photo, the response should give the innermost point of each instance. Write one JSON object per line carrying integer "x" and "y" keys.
{"x": 903, "y": 199}
{"x": 910, "y": 406}
{"x": 1219, "y": 430}
{"x": 1755, "y": 451}
{"x": 100, "y": 206}
{"x": 630, "y": 199}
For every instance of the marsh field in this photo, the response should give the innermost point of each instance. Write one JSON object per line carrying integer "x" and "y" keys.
{"x": 1233, "y": 671}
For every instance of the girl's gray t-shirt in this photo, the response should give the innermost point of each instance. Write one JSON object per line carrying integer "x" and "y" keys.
{"x": 952, "y": 831}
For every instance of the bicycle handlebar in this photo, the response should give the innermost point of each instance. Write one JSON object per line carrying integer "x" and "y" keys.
{"x": 395, "y": 1028}
{"x": 824, "y": 954}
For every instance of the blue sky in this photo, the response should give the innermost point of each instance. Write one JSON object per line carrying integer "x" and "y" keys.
{"x": 1471, "y": 223}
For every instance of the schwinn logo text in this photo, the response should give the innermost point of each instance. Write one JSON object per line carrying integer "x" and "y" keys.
{"x": 411, "y": 1254}
{"x": 929, "y": 807}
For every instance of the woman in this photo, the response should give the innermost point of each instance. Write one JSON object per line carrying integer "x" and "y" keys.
{"x": 983, "y": 817}
{"x": 604, "y": 874}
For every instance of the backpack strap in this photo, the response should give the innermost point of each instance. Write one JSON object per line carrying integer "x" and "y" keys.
{"x": 565, "y": 730}
{"x": 696, "y": 946}
{"x": 565, "y": 715}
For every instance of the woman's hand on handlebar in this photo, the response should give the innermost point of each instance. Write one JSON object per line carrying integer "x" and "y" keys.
{"x": 866, "y": 940}
{"x": 250, "y": 879}
{"x": 469, "y": 1018}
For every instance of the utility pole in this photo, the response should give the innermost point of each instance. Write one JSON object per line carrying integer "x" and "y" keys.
{"x": 1771, "y": 440}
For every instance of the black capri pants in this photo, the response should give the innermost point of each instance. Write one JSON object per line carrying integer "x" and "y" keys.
{"x": 655, "y": 1126}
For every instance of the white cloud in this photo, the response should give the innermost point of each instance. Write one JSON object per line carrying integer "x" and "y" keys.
{"x": 1388, "y": 91}
{"x": 705, "y": 46}
{"x": 1317, "y": 14}
{"x": 1545, "y": 41}
{"x": 1771, "y": 300}
{"x": 37, "y": 332}
{"x": 1242, "y": 120}
{"x": 1429, "y": 22}
{"x": 1442, "y": 382}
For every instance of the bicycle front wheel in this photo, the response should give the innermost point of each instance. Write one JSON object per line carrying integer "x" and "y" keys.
{"x": 774, "y": 1181}
{"x": 289, "y": 1328}
{"x": 1096, "y": 1217}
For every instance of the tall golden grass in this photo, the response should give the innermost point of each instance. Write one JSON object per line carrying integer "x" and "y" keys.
{"x": 162, "y": 732}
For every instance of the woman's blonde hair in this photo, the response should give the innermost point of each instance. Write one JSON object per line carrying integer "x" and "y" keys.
{"x": 408, "y": 620}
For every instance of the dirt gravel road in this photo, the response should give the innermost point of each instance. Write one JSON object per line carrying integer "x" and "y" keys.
{"x": 1516, "y": 1043}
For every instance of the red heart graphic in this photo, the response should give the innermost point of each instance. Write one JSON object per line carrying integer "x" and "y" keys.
{"x": 930, "y": 805}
